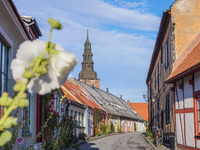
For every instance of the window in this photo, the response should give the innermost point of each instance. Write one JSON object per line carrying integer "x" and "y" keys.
{"x": 79, "y": 118}
{"x": 26, "y": 111}
{"x": 75, "y": 117}
{"x": 82, "y": 120}
{"x": 4, "y": 61}
{"x": 71, "y": 113}
{"x": 167, "y": 107}
{"x": 167, "y": 53}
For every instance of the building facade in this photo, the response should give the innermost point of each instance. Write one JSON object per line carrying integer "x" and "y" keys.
{"x": 185, "y": 78}
{"x": 13, "y": 31}
{"x": 179, "y": 26}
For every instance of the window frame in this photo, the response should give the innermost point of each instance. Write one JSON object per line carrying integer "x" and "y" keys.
{"x": 198, "y": 117}
{"x": 4, "y": 73}
{"x": 196, "y": 120}
{"x": 167, "y": 107}
{"x": 167, "y": 45}
{"x": 26, "y": 122}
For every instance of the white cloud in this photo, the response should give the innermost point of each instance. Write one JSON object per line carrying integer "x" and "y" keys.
{"x": 98, "y": 12}
{"x": 117, "y": 54}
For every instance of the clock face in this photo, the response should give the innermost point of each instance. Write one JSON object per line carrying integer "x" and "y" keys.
{"x": 88, "y": 66}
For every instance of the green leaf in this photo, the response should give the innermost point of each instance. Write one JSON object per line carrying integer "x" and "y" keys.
{"x": 5, "y": 136}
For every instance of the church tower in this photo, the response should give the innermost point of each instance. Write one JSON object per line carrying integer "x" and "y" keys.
{"x": 87, "y": 74}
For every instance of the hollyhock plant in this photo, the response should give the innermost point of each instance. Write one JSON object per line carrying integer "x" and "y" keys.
{"x": 20, "y": 140}
{"x": 39, "y": 67}
{"x": 58, "y": 66}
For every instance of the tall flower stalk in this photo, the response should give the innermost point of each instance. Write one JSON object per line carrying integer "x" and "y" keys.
{"x": 33, "y": 76}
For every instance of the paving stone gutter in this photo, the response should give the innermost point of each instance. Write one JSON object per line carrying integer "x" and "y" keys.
{"x": 153, "y": 146}
{"x": 150, "y": 143}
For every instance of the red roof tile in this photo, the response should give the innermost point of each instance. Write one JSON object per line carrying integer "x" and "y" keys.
{"x": 69, "y": 95}
{"x": 141, "y": 109}
{"x": 80, "y": 94}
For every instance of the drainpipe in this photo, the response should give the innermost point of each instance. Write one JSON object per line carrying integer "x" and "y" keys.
{"x": 93, "y": 120}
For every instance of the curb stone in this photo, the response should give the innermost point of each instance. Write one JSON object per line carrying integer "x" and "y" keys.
{"x": 152, "y": 145}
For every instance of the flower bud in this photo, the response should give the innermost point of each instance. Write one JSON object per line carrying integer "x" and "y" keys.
{"x": 24, "y": 95}
{"x": 52, "y": 45}
{"x": 55, "y": 24}
{"x": 17, "y": 87}
{"x": 5, "y": 101}
{"x": 22, "y": 102}
{"x": 7, "y": 123}
{"x": 28, "y": 74}
{"x": 14, "y": 121}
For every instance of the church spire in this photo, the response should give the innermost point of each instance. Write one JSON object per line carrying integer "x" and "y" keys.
{"x": 87, "y": 42}
{"x": 87, "y": 39}
{"x": 87, "y": 74}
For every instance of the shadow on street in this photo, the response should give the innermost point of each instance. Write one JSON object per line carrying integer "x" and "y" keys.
{"x": 88, "y": 146}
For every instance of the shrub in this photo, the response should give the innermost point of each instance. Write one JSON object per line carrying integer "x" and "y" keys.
{"x": 135, "y": 127}
{"x": 148, "y": 133}
{"x": 112, "y": 128}
{"x": 118, "y": 128}
{"x": 104, "y": 129}
{"x": 109, "y": 128}
{"x": 97, "y": 132}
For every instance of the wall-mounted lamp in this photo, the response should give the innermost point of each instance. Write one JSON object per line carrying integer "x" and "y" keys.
{"x": 144, "y": 96}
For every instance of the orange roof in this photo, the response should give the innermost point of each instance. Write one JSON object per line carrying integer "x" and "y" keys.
{"x": 76, "y": 91}
{"x": 189, "y": 65}
{"x": 141, "y": 109}
{"x": 69, "y": 95}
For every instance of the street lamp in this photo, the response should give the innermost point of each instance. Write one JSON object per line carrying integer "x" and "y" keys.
{"x": 144, "y": 96}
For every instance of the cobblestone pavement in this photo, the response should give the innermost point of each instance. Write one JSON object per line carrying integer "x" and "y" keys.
{"x": 129, "y": 141}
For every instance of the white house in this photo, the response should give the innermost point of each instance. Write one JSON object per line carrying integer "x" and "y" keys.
{"x": 13, "y": 32}
{"x": 186, "y": 79}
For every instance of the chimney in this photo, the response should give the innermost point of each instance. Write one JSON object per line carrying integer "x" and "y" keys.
{"x": 107, "y": 90}
{"x": 120, "y": 96}
{"x": 93, "y": 86}
{"x": 128, "y": 102}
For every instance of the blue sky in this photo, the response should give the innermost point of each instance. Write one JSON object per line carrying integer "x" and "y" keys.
{"x": 122, "y": 33}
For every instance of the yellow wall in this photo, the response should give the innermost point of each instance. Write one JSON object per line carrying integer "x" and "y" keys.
{"x": 186, "y": 15}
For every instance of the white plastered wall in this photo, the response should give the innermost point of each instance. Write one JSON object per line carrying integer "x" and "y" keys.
{"x": 188, "y": 93}
{"x": 180, "y": 94}
{"x": 178, "y": 130}
{"x": 76, "y": 109}
{"x": 88, "y": 121}
{"x": 189, "y": 129}
{"x": 13, "y": 35}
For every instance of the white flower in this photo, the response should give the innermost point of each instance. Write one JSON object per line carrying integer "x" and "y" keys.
{"x": 58, "y": 67}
